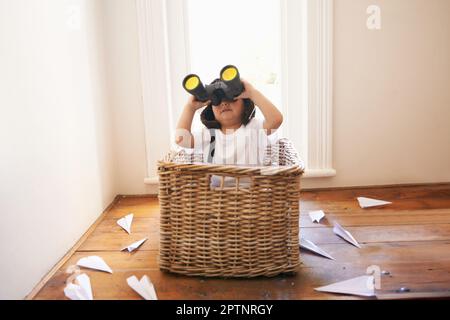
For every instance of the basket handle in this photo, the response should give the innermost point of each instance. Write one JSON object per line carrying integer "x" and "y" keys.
{"x": 237, "y": 184}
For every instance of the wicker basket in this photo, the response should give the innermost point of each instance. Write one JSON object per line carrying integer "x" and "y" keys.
{"x": 230, "y": 231}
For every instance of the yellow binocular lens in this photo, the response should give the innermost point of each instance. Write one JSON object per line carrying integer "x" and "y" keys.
{"x": 191, "y": 83}
{"x": 229, "y": 73}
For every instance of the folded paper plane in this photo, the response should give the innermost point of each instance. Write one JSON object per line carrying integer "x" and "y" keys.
{"x": 125, "y": 222}
{"x": 368, "y": 202}
{"x": 359, "y": 286}
{"x": 143, "y": 287}
{"x": 80, "y": 290}
{"x": 308, "y": 245}
{"x": 94, "y": 262}
{"x": 134, "y": 245}
{"x": 344, "y": 234}
{"x": 316, "y": 216}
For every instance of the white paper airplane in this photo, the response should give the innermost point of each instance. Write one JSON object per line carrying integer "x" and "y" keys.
{"x": 368, "y": 202}
{"x": 316, "y": 216}
{"x": 81, "y": 290}
{"x": 347, "y": 236}
{"x": 134, "y": 245}
{"x": 359, "y": 286}
{"x": 125, "y": 222}
{"x": 308, "y": 245}
{"x": 143, "y": 287}
{"x": 94, "y": 262}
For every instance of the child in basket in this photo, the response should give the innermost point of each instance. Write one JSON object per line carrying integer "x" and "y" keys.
{"x": 232, "y": 135}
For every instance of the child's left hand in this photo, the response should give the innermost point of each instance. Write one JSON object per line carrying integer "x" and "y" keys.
{"x": 248, "y": 90}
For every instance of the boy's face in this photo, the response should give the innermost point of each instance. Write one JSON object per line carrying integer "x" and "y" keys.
{"x": 229, "y": 112}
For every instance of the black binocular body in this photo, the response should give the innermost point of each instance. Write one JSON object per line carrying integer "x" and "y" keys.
{"x": 227, "y": 88}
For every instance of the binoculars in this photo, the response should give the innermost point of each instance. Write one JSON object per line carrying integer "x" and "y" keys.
{"x": 227, "y": 88}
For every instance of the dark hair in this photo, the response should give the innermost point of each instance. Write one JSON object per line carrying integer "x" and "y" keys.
{"x": 208, "y": 119}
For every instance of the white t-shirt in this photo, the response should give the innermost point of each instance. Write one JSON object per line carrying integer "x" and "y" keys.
{"x": 244, "y": 146}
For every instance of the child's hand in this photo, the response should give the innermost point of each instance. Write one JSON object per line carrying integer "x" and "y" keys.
{"x": 248, "y": 90}
{"x": 195, "y": 104}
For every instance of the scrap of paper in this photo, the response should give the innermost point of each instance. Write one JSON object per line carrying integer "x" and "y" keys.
{"x": 134, "y": 245}
{"x": 309, "y": 245}
{"x": 359, "y": 286}
{"x": 125, "y": 222}
{"x": 143, "y": 287}
{"x": 316, "y": 216}
{"x": 368, "y": 202}
{"x": 344, "y": 234}
{"x": 81, "y": 290}
{"x": 94, "y": 262}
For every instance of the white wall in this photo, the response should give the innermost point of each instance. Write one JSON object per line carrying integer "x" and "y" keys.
{"x": 126, "y": 96}
{"x": 391, "y": 95}
{"x": 56, "y": 156}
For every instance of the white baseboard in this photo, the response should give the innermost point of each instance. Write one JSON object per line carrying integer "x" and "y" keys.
{"x": 319, "y": 173}
{"x": 151, "y": 180}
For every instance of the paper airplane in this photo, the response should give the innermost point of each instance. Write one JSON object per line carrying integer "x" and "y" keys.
{"x": 316, "y": 216}
{"x": 134, "y": 245}
{"x": 359, "y": 286}
{"x": 368, "y": 202}
{"x": 143, "y": 287}
{"x": 125, "y": 222}
{"x": 308, "y": 245}
{"x": 347, "y": 236}
{"x": 94, "y": 262}
{"x": 81, "y": 290}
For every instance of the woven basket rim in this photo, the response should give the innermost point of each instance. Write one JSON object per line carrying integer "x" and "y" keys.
{"x": 274, "y": 168}
{"x": 234, "y": 168}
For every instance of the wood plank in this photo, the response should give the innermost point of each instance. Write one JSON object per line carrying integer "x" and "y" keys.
{"x": 351, "y": 205}
{"x": 109, "y": 236}
{"x": 136, "y": 200}
{"x": 415, "y": 295}
{"x": 402, "y": 192}
{"x": 171, "y": 286}
{"x": 147, "y": 211}
{"x": 418, "y": 277}
{"x": 378, "y": 218}
{"x": 120, "y": 260}
{"x": 379, "y": 254}
{"x": 371, "y": 234}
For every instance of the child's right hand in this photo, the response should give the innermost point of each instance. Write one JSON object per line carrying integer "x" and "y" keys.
{"x": 195, "y": 104}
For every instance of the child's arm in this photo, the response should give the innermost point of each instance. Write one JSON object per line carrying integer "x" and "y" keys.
{"x": 183, "y": 136}
{"x": 273, "y": 118}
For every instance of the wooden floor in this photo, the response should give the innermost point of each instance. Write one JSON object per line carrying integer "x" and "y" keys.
{"x": 410, "y": 239}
